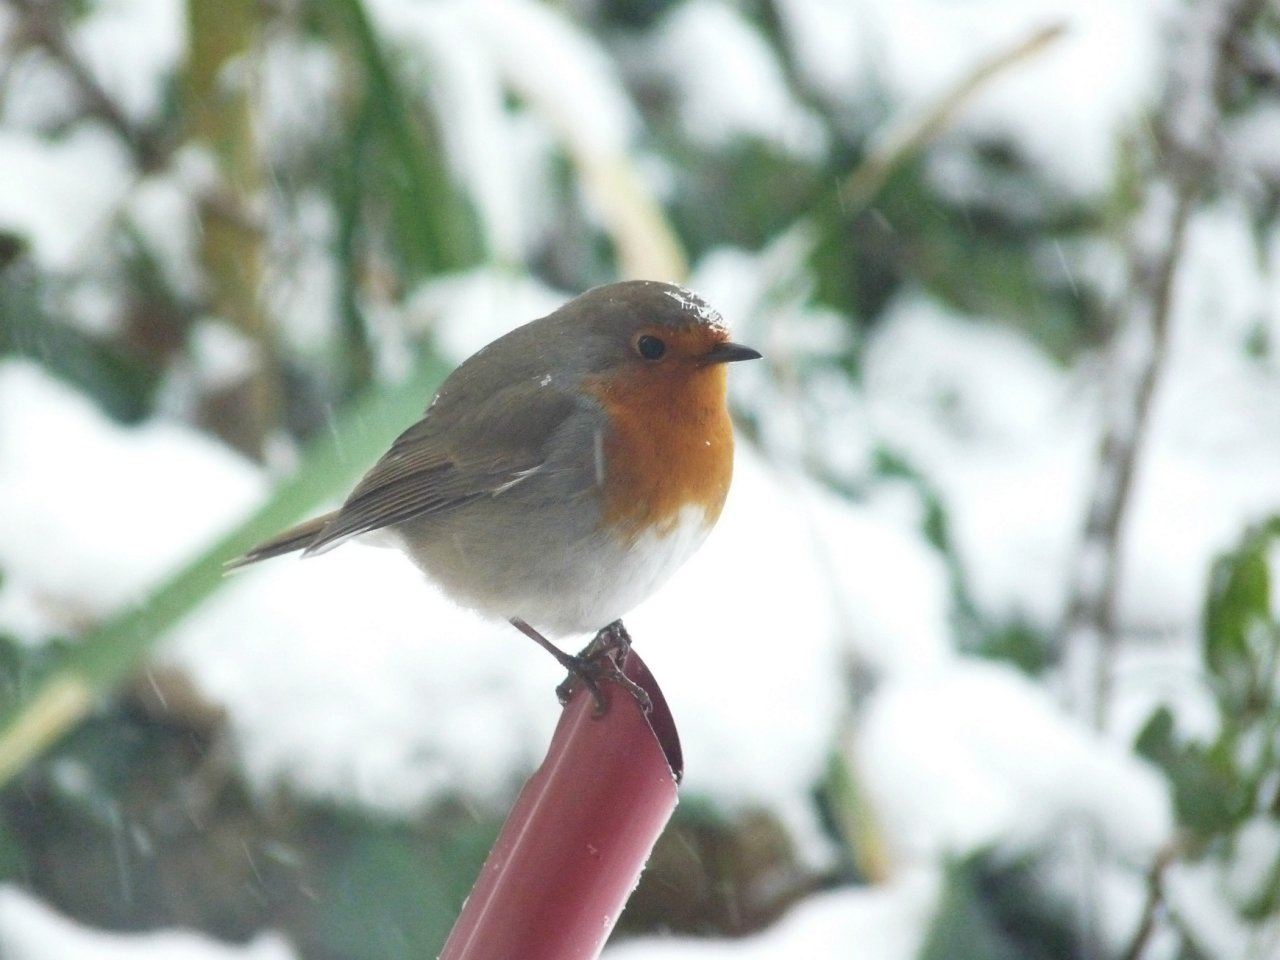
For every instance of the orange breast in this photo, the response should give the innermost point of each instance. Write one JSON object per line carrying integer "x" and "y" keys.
{"x": 670, "y": 446}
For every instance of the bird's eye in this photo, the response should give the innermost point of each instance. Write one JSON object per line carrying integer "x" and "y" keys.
{"x": 651, "y": 348}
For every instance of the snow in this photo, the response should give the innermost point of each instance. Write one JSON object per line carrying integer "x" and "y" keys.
{"x": 830, "y": 45}
{"x": 162, "y": 208}
{"x": 563, "y": 73}
{"x": 479, "y": 50}
{"x": 296, "y": 84}
{"x": 976, "y": 756}
{"x": 95, "y": 514}
{"x": 1097, "y": 77}
{"x": 349, "y": 677}
{"x": 468, "y": 310}
{"x": 392, "y": 698}
{"x": 300, "y": 280}
{"x": 1170, "y": 673}
{"x": 452, "y": 54}
{"x": 709, "y": 53}
{"x": 1003, "y": 431}
{"x": 29, "y": 930}
{"x": 1196, "y": 892}
{"x": 1253, "y": 140}
{"x": 885, "y": 923}
{"x": 59, "y": 210}
{"x": 154, "y": 34}
{"x": 38, "y": 92}
{"x": 990, "y": 420}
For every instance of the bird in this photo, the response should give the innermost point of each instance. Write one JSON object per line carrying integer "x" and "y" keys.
{"x": 562, "y": 473}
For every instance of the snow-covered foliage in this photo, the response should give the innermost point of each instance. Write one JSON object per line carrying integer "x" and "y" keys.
{"x": 882, "y": 646}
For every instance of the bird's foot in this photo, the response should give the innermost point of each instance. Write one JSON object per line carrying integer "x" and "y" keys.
{"x": 604, "y": 659}
{"x": 601, "y": 660}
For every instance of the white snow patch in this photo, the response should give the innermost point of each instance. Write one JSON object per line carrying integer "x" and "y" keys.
{"x": 470, "y": 310}
{"x": 1203, "y": 903}
{"x": 153, "y": 32}
{"x": 993, "y": 423}
{"x": 62, "y": 210}
{"x": 561, "y": 70}
{"x": 1011, "y": 440}
{"x": 349, "y": 677}
{"x": 831, "y": 46}
{"x": 728, "y": 82}
{"x": 885, "y": 923}
{"x": 1102, "y": 73}
{"x": 449, "y": 55}
{"x": 558, "y": 69}
{"x": 300, "y": 276}
{"x": 30, "y": 930}
{"x": 94, "y": 513}
{"x": 1253, "y": 141}
{"x": 298, "y": 87}
{"x": 164, "y": 213}
{"x": 976, "y": 756}
{"x": 38, "y": 93}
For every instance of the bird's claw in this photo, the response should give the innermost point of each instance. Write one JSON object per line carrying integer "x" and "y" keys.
{"x": 603, "y": 659}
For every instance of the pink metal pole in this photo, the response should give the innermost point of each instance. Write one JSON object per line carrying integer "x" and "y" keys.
{"x": 579, "y": 834}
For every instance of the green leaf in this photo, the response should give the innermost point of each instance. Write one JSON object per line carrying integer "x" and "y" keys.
{"x": 1018, "y": 643}
{"x": 1155, "y": 740}
{"x": 435, "y": 227}
{"x": 1209, "y": 792}
{"x": 997, "y": 913}
{"x": 1240, "y": 635}
{"x": 12, "y": 861}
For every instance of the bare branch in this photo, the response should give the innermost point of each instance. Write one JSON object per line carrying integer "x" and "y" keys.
{"x": 1155, "y": 899}
{"x": 1185, "y": 152}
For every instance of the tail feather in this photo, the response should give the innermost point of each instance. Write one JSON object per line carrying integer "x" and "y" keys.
{"x": 290, "y": 541}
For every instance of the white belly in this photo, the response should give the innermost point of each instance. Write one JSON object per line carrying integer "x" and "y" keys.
{"x": 631, "y": 574}
{"x": 604, "y": 580}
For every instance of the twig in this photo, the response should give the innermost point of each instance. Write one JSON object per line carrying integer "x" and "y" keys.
{"x": 1155, "y": 898}
{"x": 1187, "y": 135}
{"x": 1141, "y": 342}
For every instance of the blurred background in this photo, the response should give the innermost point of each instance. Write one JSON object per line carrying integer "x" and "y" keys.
{"x": 983, "y": 660}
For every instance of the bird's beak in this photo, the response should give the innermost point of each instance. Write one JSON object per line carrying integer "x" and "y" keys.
{"x": 727, "y": 352}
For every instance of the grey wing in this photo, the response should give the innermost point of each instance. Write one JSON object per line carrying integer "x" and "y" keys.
{"x": 429, "y": 470}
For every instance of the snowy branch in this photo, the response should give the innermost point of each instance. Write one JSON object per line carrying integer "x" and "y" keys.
{"x": 1187, "y": 138}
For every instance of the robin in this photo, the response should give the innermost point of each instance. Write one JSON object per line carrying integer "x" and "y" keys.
{"x": 563, "y": 472}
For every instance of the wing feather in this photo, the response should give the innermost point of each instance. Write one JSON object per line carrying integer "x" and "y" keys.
{"x": 431, "y": 468}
